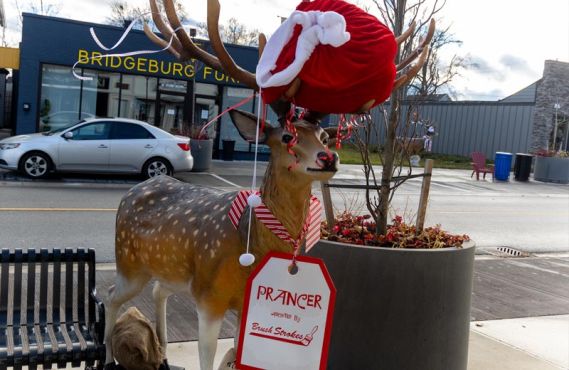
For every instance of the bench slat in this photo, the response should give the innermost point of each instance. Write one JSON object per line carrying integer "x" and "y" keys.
{"x": 56, "y": 319}
{"x": 92, "y": 288}
{"x": 43, "y": 286}
{"x": 68, "y": 285}
{"x": 17, "y": 306}
{"x": 31, "y": 301}
{"x": 5, "y": 269}
{"x": 81, "y": 286}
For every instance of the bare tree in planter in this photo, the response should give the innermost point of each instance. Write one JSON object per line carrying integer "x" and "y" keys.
{"x": 416, "y": 17}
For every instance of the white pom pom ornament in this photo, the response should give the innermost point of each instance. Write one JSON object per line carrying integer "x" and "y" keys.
{"x": 246, "y": 259}
{"x": 254, "y": 200}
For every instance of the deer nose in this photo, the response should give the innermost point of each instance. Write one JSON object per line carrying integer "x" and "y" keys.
{"x": 329, "y": 159}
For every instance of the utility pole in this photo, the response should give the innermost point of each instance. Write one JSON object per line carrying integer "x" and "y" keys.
{"x": 556, "y": 106}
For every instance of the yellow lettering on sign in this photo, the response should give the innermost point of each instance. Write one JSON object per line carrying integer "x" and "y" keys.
{"x": 96, "y": 57}
{"x": 141, "y": 64}
{"x": 206, "y": 72}
{"x": 152, "y": 66}
{"x": 178, "y": 67}
{"x": 129, "y": 63}
{"x": 163, "y": 71}
{"x": 189, "y": 71}
{"x": 219, "y": 76}
{"x": 115, "y": 62}
{"x": 83, "y": 56}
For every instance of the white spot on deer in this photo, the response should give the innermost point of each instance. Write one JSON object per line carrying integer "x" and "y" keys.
{"x": 212, "y": 253}
{"x": 204, "y": 234}
{"x": 217, "y": 227}
{"x": 122, "y": 234}
{"x": 164, "y": 199}
{"x": 183, "y": 230}
{"x": 132, "y": 257}
{"x": 215, "y": 207}
{"x": 169, "y": 208}
{"x": 175, "y": 222}
{"x": 158, "y": 255}
{"x": 151, "y": 201}
{"x": 170, "y": 216}
{"x": 135, "y": 218}
{"x": 223, "y": 217}
{"x": 192, "y": 219}
{"x": 195, "y": 233}
{"x": 146, "y": 192}
{"x": 218, "y": 243}
{"x": 187, "y": 244}
{"x": 188, "y": 212}
{"x": 160, "y": 228}
{"x": 206, "y": 246}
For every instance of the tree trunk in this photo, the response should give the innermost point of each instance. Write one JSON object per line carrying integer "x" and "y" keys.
{"x": 388, "y": 163}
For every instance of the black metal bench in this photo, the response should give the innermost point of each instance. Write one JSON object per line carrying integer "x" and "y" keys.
{"x": 49, "y": 312}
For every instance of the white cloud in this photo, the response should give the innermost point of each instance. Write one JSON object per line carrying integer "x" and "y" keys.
{"x": 510, "y": 39}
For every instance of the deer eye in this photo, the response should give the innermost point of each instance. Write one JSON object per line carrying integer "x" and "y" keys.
{"x": 286, "y": 138}
{"x": 325, "y": 141}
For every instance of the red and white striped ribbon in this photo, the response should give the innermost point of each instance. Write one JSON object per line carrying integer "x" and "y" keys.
{"x": 311, "y": 229}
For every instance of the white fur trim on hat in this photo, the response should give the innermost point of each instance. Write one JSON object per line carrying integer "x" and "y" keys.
{"x": 326, "y": 28}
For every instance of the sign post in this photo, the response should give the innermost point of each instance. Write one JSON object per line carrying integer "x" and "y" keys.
{"x": 287, "y": 318}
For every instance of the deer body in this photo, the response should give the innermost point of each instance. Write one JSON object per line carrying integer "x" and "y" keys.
{"x": 181, "y": 235}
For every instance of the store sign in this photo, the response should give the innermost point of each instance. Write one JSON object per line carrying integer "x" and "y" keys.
{"x": 153, "y": 66}
{"x": 287, "y": 319}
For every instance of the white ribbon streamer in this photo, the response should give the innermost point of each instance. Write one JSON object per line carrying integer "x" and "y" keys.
{"x": 117, "y": 44}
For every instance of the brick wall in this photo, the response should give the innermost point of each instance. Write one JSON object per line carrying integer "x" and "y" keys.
{"x": 553, "y": 88}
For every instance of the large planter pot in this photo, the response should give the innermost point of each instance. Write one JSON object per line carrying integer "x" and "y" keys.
{"x": 551, "y": 169}
{"x": 202, "y": 151}
{"x": 399, "y": 309}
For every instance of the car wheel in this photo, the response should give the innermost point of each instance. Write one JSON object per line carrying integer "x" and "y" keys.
{"x": 36, "y": 165}
{"x": 156, "y": 167}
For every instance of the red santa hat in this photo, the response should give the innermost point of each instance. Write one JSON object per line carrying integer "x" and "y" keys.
{"x": 343, "y": 56}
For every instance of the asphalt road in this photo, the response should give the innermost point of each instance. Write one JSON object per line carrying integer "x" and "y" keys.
{"x": 73, "y": 212}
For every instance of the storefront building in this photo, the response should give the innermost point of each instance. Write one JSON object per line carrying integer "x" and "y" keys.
{"x": 155, "y": 88}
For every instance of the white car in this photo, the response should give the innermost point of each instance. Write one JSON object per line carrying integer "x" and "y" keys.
{"x": 103, "y": 145}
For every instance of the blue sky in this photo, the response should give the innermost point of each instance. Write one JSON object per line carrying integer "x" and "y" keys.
{"x": 507, "y": 41}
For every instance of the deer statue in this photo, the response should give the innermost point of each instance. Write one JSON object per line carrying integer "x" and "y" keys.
{"x": 181, "y": 235}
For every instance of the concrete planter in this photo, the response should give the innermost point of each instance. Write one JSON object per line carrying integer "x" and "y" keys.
{"x": 551, "y": 169}
{"x": 399, "y": 308}
{"x": 202, "y": 151}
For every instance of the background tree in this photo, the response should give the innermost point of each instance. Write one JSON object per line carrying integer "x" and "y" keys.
{"x": 436, "y": 76}
{"x": 398, "y": 15}
{"x": 233, "y": 32}
{"x": 123, "y": 13}
{"x": 36, "y": 7}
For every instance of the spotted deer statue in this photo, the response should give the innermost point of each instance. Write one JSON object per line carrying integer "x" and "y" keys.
{"x": 181, "y": 235}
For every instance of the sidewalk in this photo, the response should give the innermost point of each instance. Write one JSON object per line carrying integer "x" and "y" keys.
{"x": 519, "y": 313}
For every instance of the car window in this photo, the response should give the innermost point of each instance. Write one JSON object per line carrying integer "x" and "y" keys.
{"x": 124, "y": 130}
{"x": 92, "y": 131}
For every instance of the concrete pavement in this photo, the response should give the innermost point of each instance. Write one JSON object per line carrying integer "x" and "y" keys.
{"x": 531, "y": 343}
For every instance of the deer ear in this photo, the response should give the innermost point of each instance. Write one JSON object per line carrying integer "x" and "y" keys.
{"x": 246, "y": 124}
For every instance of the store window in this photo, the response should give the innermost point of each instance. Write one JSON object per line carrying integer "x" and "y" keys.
{"x": 101, "y": 94}
{"x": 138, "y": 98}
{"x": 172, "y": 98}
{"x": 60, "y": 96}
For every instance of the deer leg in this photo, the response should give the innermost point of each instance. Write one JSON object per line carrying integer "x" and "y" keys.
{"x": 161, "y": 295}
{"x": 208, "y": 326}
{"x": 123, "y": 290}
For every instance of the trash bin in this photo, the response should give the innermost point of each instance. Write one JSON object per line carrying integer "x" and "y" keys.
{"x": 522, "y": 166}
{"x": 502, "y": 166}
{"x": 228, "y": 150}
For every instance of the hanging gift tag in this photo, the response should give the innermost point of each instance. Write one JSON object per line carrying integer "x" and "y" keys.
{"x": 287, "y": 319}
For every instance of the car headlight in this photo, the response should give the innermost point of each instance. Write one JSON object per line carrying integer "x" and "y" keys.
{"x": 9, "y": 146}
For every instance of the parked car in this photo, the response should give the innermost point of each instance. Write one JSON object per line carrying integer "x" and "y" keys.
{"x": 109, "y": 145}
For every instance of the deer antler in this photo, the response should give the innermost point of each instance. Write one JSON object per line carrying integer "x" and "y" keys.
{"x": 422, "y": 51}
{"x": 184, "y": 48}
